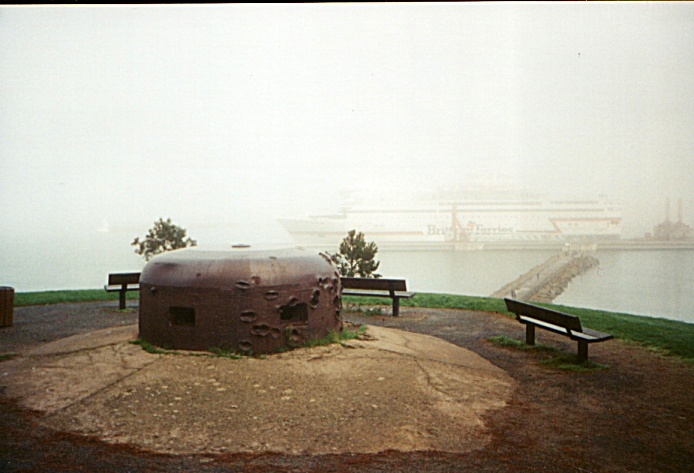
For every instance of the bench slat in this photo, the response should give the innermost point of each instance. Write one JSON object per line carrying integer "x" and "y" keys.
{"x": 400, "y": 295}
{"x": 122, "y": 283}
{"x": 545, "y": 325}
{"x": 123, "y": 278}
{"x": 347, "y": 292}
{"x": 129, "y": 287}
{"x": 599, "y": 336}
{"x": 374, "y": 283}
{"x": 548, "y": 315}
{"x": 587, "y": 335}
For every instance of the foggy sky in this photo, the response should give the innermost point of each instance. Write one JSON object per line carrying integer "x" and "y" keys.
{"x": 246, "y": 113}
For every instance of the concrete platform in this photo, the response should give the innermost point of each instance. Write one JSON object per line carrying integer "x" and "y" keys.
{"x": 390, "y": 390}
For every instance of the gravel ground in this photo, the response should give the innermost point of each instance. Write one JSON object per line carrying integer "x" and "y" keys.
{"x": 35, "y": 325}
{"x": 636, "y": 415}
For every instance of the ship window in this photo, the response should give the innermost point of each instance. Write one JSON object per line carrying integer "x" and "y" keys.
{"x": 296, "y": 313}
{"x": 182, "y": 316}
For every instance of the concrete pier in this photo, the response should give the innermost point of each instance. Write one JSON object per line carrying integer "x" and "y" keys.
{"x": 545, "y": 282}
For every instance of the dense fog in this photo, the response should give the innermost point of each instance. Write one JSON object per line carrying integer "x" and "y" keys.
{"x": 227, "y": 117}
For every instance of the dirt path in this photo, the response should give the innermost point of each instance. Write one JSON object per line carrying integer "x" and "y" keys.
{"x": 635, "y": 416}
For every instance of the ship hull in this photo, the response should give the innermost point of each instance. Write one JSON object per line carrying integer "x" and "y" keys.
{"x": 466, "y": 224}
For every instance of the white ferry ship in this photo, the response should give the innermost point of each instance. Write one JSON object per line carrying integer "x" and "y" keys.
{"x": 531, "y": 220}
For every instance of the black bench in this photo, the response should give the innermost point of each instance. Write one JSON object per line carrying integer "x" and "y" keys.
{"x": 122, "y": 283}
{"x": 565, "y": 324}
{"x": 396, "y": 289}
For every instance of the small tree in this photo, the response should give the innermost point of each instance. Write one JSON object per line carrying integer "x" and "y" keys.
{"x": 357, "y": 257}
{"x": 164, "y": 236}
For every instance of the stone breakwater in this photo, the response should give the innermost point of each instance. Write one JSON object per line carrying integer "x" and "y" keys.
{"x": 556, "y": 283}
{"x": 548, "y": 280}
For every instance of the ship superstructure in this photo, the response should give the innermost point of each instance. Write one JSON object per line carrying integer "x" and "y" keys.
{"x": 472, "y": 220}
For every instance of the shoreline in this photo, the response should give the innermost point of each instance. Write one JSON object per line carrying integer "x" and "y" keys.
{"x": 670, "y": 336}
{"x": 636, "y": 244}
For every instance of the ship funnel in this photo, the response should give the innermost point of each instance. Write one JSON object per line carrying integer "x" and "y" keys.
{"x": 667, "y": 210}
{"x": 679, "y": 210}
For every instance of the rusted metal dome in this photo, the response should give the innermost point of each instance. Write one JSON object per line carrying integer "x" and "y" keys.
{"x": 242, "y": 299}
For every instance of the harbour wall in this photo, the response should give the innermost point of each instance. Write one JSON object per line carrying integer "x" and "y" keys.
{"x": 582, "y": 247}
{"x": 545, "y": 282}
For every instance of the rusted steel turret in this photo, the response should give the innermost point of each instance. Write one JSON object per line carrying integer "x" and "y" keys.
{"x": 245, "y": 300}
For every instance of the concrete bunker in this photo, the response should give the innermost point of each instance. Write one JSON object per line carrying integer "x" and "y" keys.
{"x": 251, "y": 301}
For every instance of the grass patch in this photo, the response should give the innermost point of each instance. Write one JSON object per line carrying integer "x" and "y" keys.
{"x": 336, "y": 337}
{"x": 217, "y": 352}
{"x": 226, "y": 353}
{"x": 557, "y": 360}
{"x": 670, "y": 337}
{"x": 332, "y": 337}
{"x": 367, "y": 311}
{"x": 153, "y": 349}
{"x": 7, "y": 356}
{"x": 664, "y": 336}
{"x": 435, "y": 301}
{"x": 352, "y": 334}
{"x": 568, "y": 362}
{"x": 504, "y": 341}
{"x": 450, "y": 301}
{"x": 61, "y": 297}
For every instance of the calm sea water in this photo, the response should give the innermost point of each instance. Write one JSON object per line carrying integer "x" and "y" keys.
{"x": 654, "y": 283}
{"x": 83, "y": 261}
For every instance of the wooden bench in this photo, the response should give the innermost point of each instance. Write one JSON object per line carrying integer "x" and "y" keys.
{"x": 396, "y": 289}
{"x": 565, "y": 324}
{"x": 122, "y": 283}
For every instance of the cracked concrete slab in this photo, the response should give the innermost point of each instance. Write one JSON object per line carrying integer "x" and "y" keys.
{"x": 390, "y": 390}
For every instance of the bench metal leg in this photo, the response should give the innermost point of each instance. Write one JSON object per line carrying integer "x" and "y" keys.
{"x": 121, "y": 298}
{"x": 396, "y": 306}
{"x": 529, "y": 334}
{"x": 582, "y": 350}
